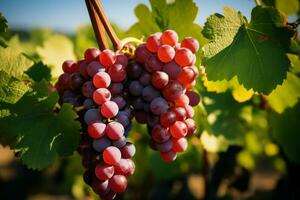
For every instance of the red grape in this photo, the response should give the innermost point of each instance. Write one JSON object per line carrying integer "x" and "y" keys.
{"x": 190, "y": 43}
{"x": 91, "y": 54}
{"x": 179, "y": 145}
{"x": 101, "y": 95}
{"x": 153, "y": 43}
{"x": 184, "y": 57}
{"x": 101, "y": 80}
{"x": 169, "y": 156}
{"x": 104, "y": 171}
{"x": 166, "y": 53}
{"x": 169, "y": 37}
{"x": 107, "y": 58}
{"x": 109, "y": 109}
{"x": 178, "y": 129}
{"x": 159, "y": 79}
{"x": 96, "y": 130}
{"x": 114, "y": 130}
{"x": 118, "y": 183}
{"x": 117, "y": 73}
{"x": 111, "y": 155}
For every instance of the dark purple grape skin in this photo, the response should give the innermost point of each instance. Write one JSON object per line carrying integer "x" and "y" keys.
{"x": 141, "y": 116}
{"x": 92, "y": 115}
{"x": 88, "y": 103}
{"x": 75, "y": 81}
{"x": 153, "y": 64}
{"x": 134, "y": 70}
{"x": 116, "y": 88}
{"x": 100, "y": 144}
{"x": 135, "y": 88}
{"x": 88, "y": 89}
{"x": 159, "y": 105}
{"x": 138, "y": 103}
{"x": 149, "y": 93}
{"x": 164, "y": 147}
{"x": 123, "y": 118}
{"x": 120, "y": 101}
{"x": 145, "y": 78}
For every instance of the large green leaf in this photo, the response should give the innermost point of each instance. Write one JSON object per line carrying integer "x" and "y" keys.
{"x": 41, "y": 135}
{"x": 255, "y": 52}
{"x": 285, "y": 95}
{"x": 11, "y": 89}
{"x": 13, "y": 62}
{"x": 39, "y": 71}
{"x": 286, "y": 129}
{"x": 56, "y": 49}
{"x": 178, "y": 15}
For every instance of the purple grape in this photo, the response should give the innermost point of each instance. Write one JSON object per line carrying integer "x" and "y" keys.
{"x": 135, "y": 88}
{"x": 149, "y": 93}
{"x": 159, "y": 105}
{"x": 100, "y": 144}
{"x": 92, "y": 115}
{"x": 134, "y": 70}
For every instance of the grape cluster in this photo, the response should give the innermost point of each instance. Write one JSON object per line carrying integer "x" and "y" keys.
{"x": 96, "y": 85}
{"x": 165, "y": 77}
{"x": 107, "y": 89}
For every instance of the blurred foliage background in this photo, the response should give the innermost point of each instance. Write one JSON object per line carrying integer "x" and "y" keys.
{"x": 246, "y": 146}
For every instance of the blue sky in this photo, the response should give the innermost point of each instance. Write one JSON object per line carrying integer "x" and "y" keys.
{"x": 67, "y": 15}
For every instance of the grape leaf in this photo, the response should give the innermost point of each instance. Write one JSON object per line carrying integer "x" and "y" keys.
{"x": 56, "y": 49}
{"x": 3, "y": 23}
{"x": 255, "y": 52}
{"x": 286, "y": 129}
{"x": 225, "y": 117}
{"x": 13, "y": 62}
{"x": 39, "y": 71}
{"x": 11, "y": 89}
{"x": 178, "y": 15}
{"x": 41, "y": 134}
{"x": 285, "y": 95}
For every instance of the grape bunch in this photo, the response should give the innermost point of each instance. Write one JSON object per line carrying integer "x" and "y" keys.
{"x": 108, "y": 89}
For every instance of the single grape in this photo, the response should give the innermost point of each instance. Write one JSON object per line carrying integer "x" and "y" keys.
{"x": 104, "y": 172}
{"x": 107, "y": 58}
{"x": 96, "y": 130}
{"x": 164, "y": 147}
{"x": 149, "y": 93}
{"x": 116, "y": 88}
{"x": 121, "y": 59}
{"x": 153, "y": 43}
{"x": 153, "y": 64}
{"x": 120, "y": 143}
{"x": 88, "y": 103}
{"x": 120, "y": 101}
{"x": 75, "y": 81}
{"x": 123, "y": 118}
{"x": 111, "y": 155}
{"x": 118, "y": 183}
{"x": 166, "y": 53}
{"x": 99, "y": 187}
{"x": 128, "y": 150}
{"x": 91, "y": 54}
{"x": 152, "y": 120}
{"x": 169, "y": 37}
{"x": 184, "y": 57}
{"x": 88, "y": 89}
{"x": 94, "y": 67}
{"x": 134, "y": 70}
{"x": 169, "y": 156}
{"x": 168, "y": 118}
{"x": 179, "y": 145}
{"x": 101, "y": 95}
{"x": 189, "y": 111}
{"x": 160, "y": 134}
{"x": 117, "y": 72}
{"x": 109, "y": 109}
{"x": 159, "y": 79}
{"x": 182, "y": 101}
{"x": 159, "y": 106}
{"x": 83, "y": 69}
{"x": 173, "y": 90}
{"x": 172, "y": 69}
{"x": 114, "y": 130}
{"x": 63, "y": 80}
{"x": 101, "y": 80}
{"x": 122, "y": 167}
{"x": 187, "y": 76}
{"x": 180, "y": 113}
{"x": 191, "y": 126}
{"x": 100, "y": 144}
{"x": 145, "y": 78}
{"x": 69, "y": 66}
{"x": 178, "y": 129}
{"x": 142, "y": 54}
{"x": 135, "y": 88}
{"x": 131, "y": 168}
{"x": 91, "y": 116}
{"x": 190, "y": 43}
{"x": 194, "y": 97}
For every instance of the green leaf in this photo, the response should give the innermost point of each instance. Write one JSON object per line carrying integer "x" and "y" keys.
{"x": 39, "y": 71}
{"x": 56, "y": 49}
{"x": 288, "y": 6}
{"x": 3, "y": 24}
{"x": 178, "y": 15}
{"x": 286, "y": 129}
{"x": 255, "y": 52}
{"x": 225, "y": 117}
{"x": 13, "y": 62}
{"x": 285, "y": 95}
{"x": 41, "y": 134}
{"x": 11, "y": 89}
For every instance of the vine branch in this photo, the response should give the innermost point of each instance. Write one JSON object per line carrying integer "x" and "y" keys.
{"x": 258, "y": 2}
{"x": 101, "y": 14}
{"x": 97, "y": 26}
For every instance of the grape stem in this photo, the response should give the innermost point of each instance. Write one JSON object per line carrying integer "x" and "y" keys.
{"x": 101, "y": 14}
{"x": 97, "y": 26}
{"x": 130, "y": 40}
